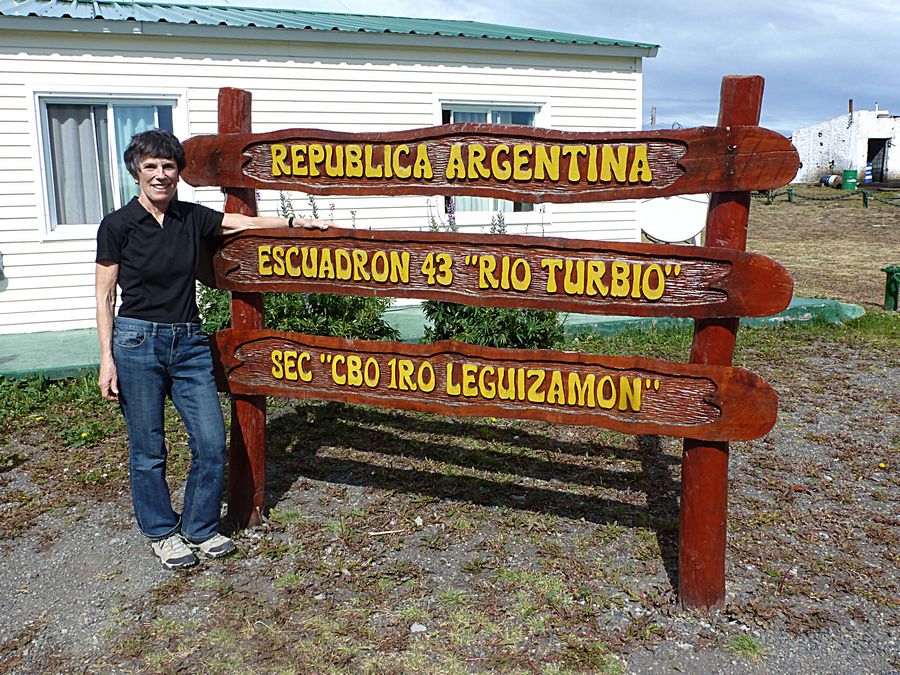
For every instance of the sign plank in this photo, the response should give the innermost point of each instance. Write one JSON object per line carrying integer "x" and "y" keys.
{"x": 511, "y": 162}
{"x": 629, "y": 394}
{"x": 507, "y": 271}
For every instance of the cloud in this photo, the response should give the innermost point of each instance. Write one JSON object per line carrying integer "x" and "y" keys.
{"x": 814, "y": 55}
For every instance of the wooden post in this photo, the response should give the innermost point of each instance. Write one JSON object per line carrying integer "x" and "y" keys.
{"x": 248, "y": 413}
{"x": 704, "y": 467}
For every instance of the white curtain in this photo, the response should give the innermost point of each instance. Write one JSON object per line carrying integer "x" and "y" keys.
{"x": 73, "y": 151}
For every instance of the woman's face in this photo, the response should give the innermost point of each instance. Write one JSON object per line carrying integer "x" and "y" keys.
{"x": 158, "y": 178}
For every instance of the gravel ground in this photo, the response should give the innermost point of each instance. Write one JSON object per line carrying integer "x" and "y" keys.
{"x": 811, "y": 567}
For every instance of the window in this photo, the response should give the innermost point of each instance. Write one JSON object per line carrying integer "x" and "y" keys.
{"x": 83, "y": 143}
{"x": 459, "y": 114}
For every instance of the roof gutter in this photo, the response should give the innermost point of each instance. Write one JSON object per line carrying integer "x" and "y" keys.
{"x": 199, "y": 31}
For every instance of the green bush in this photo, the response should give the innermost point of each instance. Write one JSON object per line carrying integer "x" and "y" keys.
{"x": 492, "y": 326}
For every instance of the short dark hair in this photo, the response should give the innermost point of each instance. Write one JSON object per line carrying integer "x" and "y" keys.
{"x": 153, "y": 143}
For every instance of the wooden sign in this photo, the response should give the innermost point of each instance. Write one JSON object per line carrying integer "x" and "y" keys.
{"x": 513, "y": 162}
{"x": 629, "y": 394}
{"x": 507, "y": 271}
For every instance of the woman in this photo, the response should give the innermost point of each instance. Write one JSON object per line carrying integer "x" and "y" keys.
{"x": 154, "y": 348}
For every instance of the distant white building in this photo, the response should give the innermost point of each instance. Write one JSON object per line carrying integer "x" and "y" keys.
{"x": 77, "y": 78}
{"x": 850, "y": 141}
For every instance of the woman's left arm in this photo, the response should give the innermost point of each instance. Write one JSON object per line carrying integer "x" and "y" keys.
{"x": 233, "y": 223}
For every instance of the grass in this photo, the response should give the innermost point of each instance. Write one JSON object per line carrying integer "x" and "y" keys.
{"x": 747, "y": 647}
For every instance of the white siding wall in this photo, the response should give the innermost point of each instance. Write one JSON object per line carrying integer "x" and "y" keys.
{"x": 49, "y": 278}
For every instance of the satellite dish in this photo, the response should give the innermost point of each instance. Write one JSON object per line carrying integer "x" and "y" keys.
{"x": 672, "y": 219}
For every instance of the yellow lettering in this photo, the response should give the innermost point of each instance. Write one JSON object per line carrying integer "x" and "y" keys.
{"x": 582, "y": 394}
{"x": 305, "y": 374}
{"x": 573, "y": 284}
{"x": 546, "y": 162}
{"x": 278, "y": 260}
{"x": 595, "y": 271}
{"x": 399, "y": 170}
{"x": 354, "y": 371}
{"x": 309, "y": 262}
{"x": 279, "y": 166}
{"x": 399, "y": 267}
{"x": 429, "y": 384}
{"x": 372, "y": 372}
{"x": 334, "y": 161}
{"x": 630, "y": 396}
{"x": 506, "y": 390}
{"x": 338, "y": 378}
{"x": 455, "y": 167}
{"x": 344, "y": 268}
{"x": 640, "y": 166}
{"x": 388, "y": 162}
{"x": 326, "y": 266}
{"x": 592, "y": 164}
{"x": 555, "y": 392}
{"x": 277, "y": 366}
{"x": 372, "y": 171}
{"x": 636, "y": 281}
{"x": 486, "y": 266}
{"x": 522, "y": 281}
{"x": 488, "y": 389}
{"x": 574, "y": 151}
{"x": 552, "y": 265}
{"x": 422, "y": 167}
{"x": 521, "y": 157}
{"x": 316, "y": 157}
{"x": 653, "y": 292}
{"x": 360, "y": 259}
{"x": 534, "y": 395}
{"x": 477, "y": 155}
{"x": 354, "y": 165}
{"x": 453, "y": 389}
{"x": 298, "y": 159}
{"x": 289, "y": 255}
{"x": 290, "y": 365}
{"x": 607, "y": 402}
{"x": 619, "y": 282}
{"x": 610, "y": 164}
{"x": 265, "y": 257}
{"x": 501, "y": 170}
{"x": 468, "y": 380}
{"x": 380, "y": 275}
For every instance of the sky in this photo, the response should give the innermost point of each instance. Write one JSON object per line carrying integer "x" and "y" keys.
{"x": 815, "y": 56}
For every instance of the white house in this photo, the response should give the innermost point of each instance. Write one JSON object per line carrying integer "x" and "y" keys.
{"x": 850, "y": 141}
{"x": 78, "y": 78}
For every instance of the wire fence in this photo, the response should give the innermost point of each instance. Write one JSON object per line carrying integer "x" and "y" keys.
{"x": 769, "y": 196}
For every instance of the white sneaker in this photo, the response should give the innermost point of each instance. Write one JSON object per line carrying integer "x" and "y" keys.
{"x": 217, "y": 546}
{"x": 173, "y": 553}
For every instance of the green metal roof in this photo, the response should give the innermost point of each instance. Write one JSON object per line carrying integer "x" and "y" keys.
{"x": 206, "y": 15}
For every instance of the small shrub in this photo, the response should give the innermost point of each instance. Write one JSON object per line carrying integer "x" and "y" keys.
{"x": 492, "y": 326}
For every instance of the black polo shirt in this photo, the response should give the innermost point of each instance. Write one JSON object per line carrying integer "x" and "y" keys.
{"x": 157, "y": 264}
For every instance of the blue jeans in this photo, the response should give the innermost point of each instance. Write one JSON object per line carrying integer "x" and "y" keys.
{"x": 155, "y": 360}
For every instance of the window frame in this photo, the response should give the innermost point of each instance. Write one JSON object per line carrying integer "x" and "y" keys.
{"x": 542, "y": 117}
{"x": 49, "y": 229}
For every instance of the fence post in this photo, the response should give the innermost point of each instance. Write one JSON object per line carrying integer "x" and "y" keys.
{"x": 248, "y": 413}
{"x": 704, "y": 467}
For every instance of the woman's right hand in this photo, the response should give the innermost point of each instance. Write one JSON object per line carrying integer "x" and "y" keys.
{"x": 108, "y": 381}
